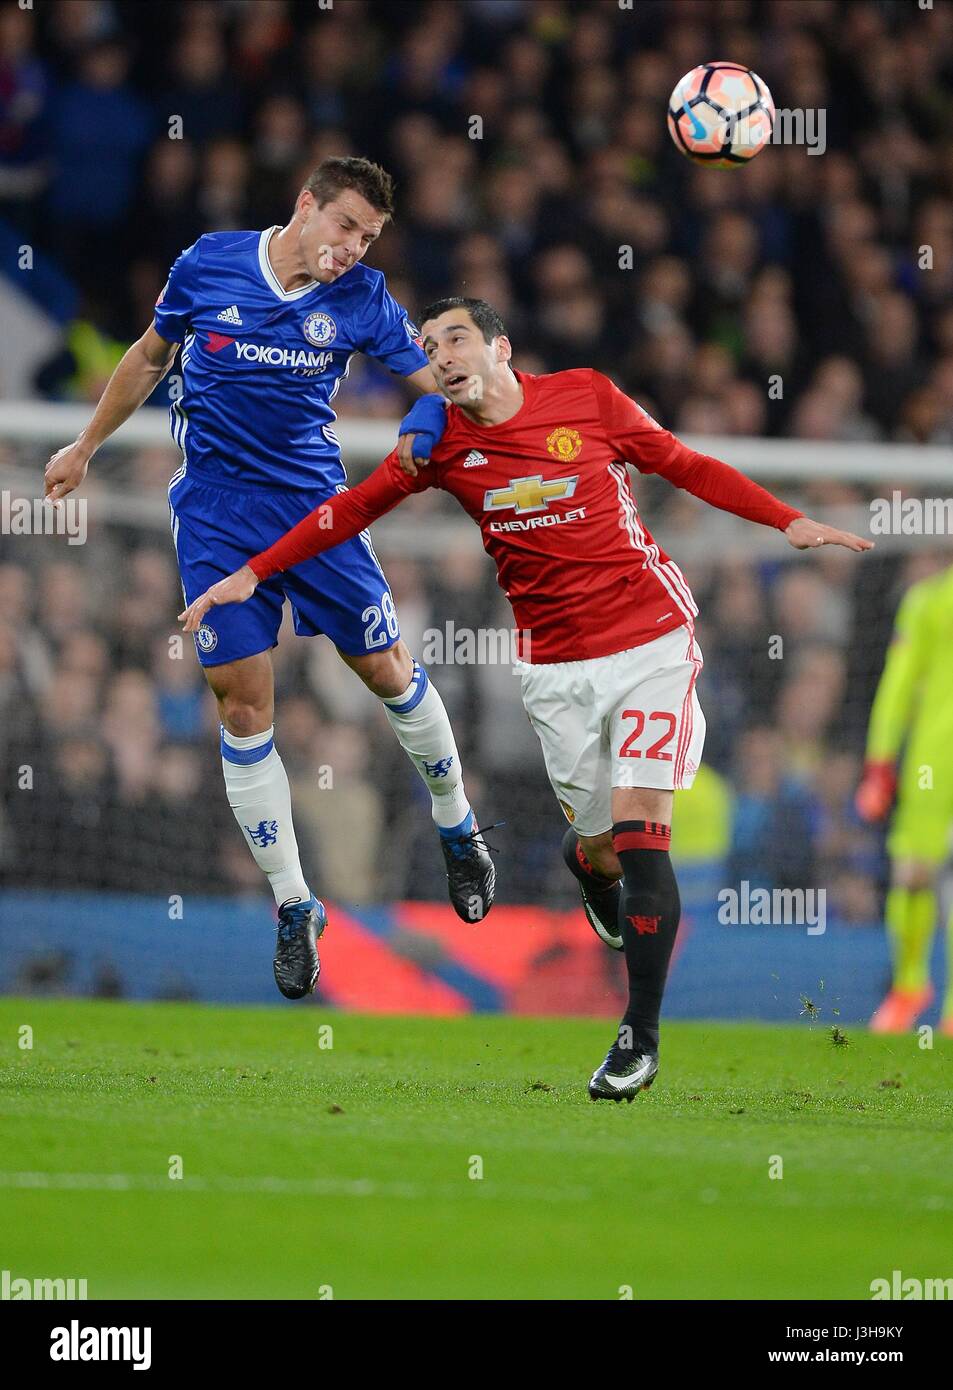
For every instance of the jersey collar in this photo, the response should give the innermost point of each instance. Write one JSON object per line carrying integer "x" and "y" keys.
{"x": 269, "y": 276}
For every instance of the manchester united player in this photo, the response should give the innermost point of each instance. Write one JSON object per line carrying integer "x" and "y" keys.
{"x": 606, "y": 619}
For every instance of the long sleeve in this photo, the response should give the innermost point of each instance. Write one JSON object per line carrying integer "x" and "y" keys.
{"x": 339, "y": 518}
{"x": 723, "y": 486}
{"x": 641, "y": 441}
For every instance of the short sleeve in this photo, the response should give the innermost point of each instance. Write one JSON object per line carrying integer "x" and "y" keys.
{"x": 388, "y": 334}
{"x": 174, "y": 307}
{"x": 630, "y": 430}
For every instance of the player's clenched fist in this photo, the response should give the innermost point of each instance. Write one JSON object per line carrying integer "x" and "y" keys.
{"x": 65, "y": 471}
{"x": 420, "y": 430}
{"x": 235, "y": 589}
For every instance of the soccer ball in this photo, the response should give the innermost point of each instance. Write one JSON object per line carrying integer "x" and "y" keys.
{"x": 721, "y": 114}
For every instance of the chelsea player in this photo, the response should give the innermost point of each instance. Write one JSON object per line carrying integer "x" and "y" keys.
{"x": 267, "y": 322}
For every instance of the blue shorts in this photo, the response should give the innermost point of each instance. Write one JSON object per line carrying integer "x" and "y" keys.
{"x": 342, "y": 593}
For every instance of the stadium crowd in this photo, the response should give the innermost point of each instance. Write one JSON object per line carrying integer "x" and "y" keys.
{"x": 529, "y": 146}
{"x": 109, "y": 750}
{"x": 530, "y": 149}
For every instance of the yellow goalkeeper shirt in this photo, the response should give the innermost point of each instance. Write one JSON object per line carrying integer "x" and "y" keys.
{"x": 914, "y": 698}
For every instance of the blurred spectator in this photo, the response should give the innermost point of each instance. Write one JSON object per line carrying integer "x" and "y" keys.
{"x": 24, "y": 137}
{"x": 567, "y": 171}
{"x": 202, "y": 91}
{"x": 100, "y": 126}
{"x": 772, "y": 845}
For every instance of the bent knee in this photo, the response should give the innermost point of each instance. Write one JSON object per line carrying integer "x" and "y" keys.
{"x": 386, "y": 674}
{"x": 603, "y": 858}
{"x": 913, "y": 874}
{"x": 244, "y": 693}
{"x": 243, "y": 719}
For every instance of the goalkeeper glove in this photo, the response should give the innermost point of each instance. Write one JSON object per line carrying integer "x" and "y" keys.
{"x": 876, "y": 791}
{"x": 427, "y": 420}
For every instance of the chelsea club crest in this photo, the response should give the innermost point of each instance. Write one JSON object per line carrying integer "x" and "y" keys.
{"x": 319, "y": 329}
{"x": 206, "y": 638}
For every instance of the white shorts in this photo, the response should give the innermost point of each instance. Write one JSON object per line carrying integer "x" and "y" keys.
{"x": 631, "y": 719}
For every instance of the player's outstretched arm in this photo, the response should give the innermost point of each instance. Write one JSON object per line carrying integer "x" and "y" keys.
{"x": 722, "y": 486}
{"x": 135, "y": 378}
{"x": 330, "y": 523}
{"x": 652, "y": 449}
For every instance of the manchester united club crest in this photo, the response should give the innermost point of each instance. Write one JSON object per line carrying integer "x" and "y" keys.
{"x": 564, "y": 443}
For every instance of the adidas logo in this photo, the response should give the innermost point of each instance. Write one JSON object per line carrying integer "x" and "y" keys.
{"x": 230, "y": 315}
{"x": 474, "y": 458}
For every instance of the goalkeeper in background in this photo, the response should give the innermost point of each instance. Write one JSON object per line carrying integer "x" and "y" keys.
{"x": 913, "y": 708}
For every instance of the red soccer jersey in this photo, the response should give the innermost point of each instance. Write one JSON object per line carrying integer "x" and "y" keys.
{"x": 551, "y": 494}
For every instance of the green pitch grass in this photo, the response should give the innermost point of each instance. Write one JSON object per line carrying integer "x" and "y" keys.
{"x": 308, "y": 1169}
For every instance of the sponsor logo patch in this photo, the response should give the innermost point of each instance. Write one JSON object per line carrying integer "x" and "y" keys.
{"x": 217, "y": 341}
{"x": 273, "y": 356}
{"x": 532, "y": 523}
{"x": 531, "y": 494}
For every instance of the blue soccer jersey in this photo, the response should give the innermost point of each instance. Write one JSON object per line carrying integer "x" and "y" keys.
{"x": 261, "y": 365}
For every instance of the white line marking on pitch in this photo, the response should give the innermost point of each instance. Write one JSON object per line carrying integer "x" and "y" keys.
{"x": 315, "y": 1187}
{"x": 129, "y": 1182}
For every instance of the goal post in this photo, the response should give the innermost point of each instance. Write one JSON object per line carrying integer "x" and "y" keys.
{"x": 799, "y": 470}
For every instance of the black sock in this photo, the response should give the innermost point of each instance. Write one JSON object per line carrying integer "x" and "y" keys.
{"x": 648, "y": 919}
{"x": 577, "y": 863}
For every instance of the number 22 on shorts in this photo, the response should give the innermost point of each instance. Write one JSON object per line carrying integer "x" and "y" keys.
{"x": 654, "y": 750}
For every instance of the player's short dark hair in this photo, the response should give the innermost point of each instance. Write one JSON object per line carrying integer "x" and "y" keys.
{"x": 334, "y": 175}
{"x": 483, "y": 315}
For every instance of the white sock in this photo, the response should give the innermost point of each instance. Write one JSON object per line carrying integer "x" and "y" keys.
{"x": 258, "y": 793}
{"x": 420, "y": 721}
